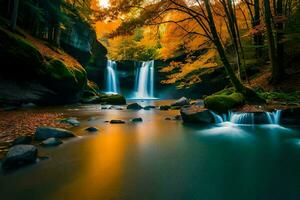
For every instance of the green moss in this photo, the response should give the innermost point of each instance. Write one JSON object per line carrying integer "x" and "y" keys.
{"x": 286, "y": 97}
{"x": 223, "y": 103}
{"x": 113, "y": 99}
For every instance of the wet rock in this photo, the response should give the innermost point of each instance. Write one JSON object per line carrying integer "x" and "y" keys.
{"x": 51, "y": 142}
{"x": 164, "y": 107}
{"x": 19, "y": 155}
{"x": 175, "y": 107}
{"x": 149, "y": 107}
{"x": 167, "y": 118}
{"x": 117, "y": 121}
{"x": 198, "y": 103}
{"x": 290, "y": 116}
{"x": 177, "y": 117}
{"x": 134, "y": 106}
{"x": 196, "y": 114}
{"x": 181, "y": 102}
{"x": 22, "y": 140}
{"x": 106, "y": 121}
{"x": 43, "y": 133}
{"x": 72, "y": 121}
{"x": 28, "y": 105}
{"x": 91, "y": 129}
{"x": 138, "y": 119}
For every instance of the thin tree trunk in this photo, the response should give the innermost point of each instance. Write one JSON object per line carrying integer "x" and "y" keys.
{"x": 279, "y": 39}
{"x": 272, "y": 47}
{"x": 14, "y": 16}
{"x": 258, "y": 38}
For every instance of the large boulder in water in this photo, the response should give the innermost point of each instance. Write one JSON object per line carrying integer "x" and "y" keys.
{"x": 18, "y": 156}
{"x": 43, "y": 133}
{"x": 290, "y": 116}
{"x": 181, "y": 102}
{"x": 22, "y": 140}
{"x": 196, "y": 114}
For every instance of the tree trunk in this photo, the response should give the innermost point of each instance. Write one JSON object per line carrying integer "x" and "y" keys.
{"x": 57, "y": 33}
{"x": 258, "y": 38}
{"x": 279, "y": 39}
{"x": 272, "y": 47}
{"x": 14, "y": 17}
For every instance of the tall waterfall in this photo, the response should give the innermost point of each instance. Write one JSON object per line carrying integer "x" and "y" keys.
{"x": 144, "y": 82}
{"x": 112, "y": 82}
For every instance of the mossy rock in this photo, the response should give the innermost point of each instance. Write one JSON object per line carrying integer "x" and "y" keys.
{"x": 24, "y": 62}
{"x": 115, "y": 99}
{"x": 90, "y": 90}
{"x": 223, "y": 103}
{"x": 21, "y": 58}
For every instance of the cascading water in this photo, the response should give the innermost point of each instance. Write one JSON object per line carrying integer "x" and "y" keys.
{"x": 112, "y": 82}
{"x": 247, "y": 118}
{"x": 144, "y": 83}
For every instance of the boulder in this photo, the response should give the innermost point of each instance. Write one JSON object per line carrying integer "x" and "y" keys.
{"x": 117, "y": 121}
{"x": 134, "y": 106}
{"x": 91, "y": 129}
{"x": 51, "y": 142}
{"x": 114, "y": 99}
{"x": 290, "y": 116}
{"x": 224, "y": 103}
{"x": 72, "y": 121}
{"x": 22, "y": 140}
{"x": 196, "y": 114}
{"x": 138, "y": 119}
{"x": 164, "y": 107}
{"x": 19, "y": 155}
{"x": 43, "y": 133}
{"x": 181, "y": 102}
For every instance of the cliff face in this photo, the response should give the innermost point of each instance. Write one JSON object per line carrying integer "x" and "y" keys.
{"x": 80, "y": 41}
{"x": 34, "y": 71}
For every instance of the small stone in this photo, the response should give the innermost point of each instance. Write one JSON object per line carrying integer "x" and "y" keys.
{"x": 138, "y": 119}
{"x": 72, "y": 121}
{"x": 149, "y": 107}
{"x": 164, "y": 107}
{"x": 168, "y": 118}
{"x": 91, "y": 129}
{"x": 117, "y": 121}
{"x": 134, "y": 106}
{"x": 43, "y": 133}
{"x": 51, "y": 142}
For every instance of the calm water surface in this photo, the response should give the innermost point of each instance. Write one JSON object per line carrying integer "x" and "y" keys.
{"x": 160, "y": 159}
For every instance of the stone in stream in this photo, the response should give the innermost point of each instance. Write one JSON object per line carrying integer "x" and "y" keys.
{"x": 117, "y": 121}
{"x": 149, "y": 107}
{"x": 72, "y": 121}
{"x": 43, "y": 133}
{"x": 134, "y": 106}
{"x": 138, "y": 119}
{"x": 18, "y": 156}
{"x": 181, "y": 102}
{"x": 91, "y": 129}
{"x": 168, "y": 118}
{"x": 164, "y": 107}
{"x": 51, "y": 142}
{"x": 22, "y": 140}
{"x": 178, "y": 117}
{"x": 196, "y": 114}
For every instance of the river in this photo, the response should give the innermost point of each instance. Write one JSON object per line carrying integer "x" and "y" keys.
{"x": 161, "y": 159}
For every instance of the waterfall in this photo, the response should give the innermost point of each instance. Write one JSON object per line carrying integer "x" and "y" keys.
{"x": 274, "y": 117}
{"x": 112, "y": 82}
{"x": 144, "y": 84}
{"x": 248, "y": 118}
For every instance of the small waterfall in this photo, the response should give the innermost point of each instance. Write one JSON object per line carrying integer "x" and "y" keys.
{"x": 274, "y": 117}
{"x": 242, "y": 118}
{"x": 112, "y": 82}
{"x": 218, "y": 118}
{"x": 248, "y": 118}
{"x": 144, "y": 84}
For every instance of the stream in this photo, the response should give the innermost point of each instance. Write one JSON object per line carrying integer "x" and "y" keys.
{"x": 161, "y": 159}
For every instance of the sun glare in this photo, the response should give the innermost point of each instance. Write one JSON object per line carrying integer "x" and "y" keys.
{"x": 104, "y": 3}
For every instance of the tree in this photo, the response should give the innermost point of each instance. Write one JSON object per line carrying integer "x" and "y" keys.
{"x": 14, "y": 16}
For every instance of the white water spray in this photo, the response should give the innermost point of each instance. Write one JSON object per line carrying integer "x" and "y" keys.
{"x": 112, "y": 82}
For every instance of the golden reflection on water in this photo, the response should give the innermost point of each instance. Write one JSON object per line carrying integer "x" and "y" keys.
{"x": 102, "y": 170}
